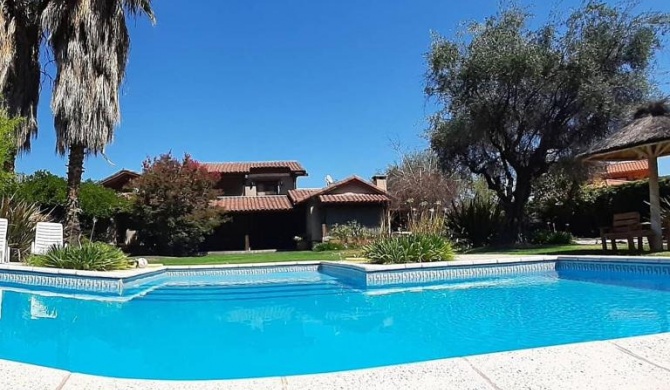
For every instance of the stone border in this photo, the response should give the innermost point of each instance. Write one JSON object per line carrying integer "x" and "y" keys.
{"x": 641, "y": 363}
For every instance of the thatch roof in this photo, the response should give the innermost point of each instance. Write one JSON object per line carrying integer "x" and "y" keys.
{"x": 648, "y": 133}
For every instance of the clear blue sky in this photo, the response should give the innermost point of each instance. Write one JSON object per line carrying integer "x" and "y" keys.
{"x": 332, "y": 84}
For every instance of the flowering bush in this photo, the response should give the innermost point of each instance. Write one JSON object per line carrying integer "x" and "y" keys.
{"x": 171, "y": 209}
{"x": 352, "y": 234}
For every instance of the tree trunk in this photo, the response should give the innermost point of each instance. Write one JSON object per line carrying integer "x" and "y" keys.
{"x": 515, "y": 212}
{"x": 75, "y": 168}
{"x": 10, "y": 165}
{"x": 511, "y": 228}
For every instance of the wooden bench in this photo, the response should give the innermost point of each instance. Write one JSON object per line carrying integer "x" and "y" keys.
{"x": 626, "y": 226}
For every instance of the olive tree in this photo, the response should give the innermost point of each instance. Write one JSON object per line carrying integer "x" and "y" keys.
{"x": 514, "y": 100}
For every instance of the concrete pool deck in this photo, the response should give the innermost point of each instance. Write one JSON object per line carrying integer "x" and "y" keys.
{"x": 641, "y": 363}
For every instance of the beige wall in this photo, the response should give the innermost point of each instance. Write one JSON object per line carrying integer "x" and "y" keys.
{"x": 380, "y": 181}
{"x": 249, "y": 190}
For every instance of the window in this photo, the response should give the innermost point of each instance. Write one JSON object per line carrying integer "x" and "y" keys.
{"x": 267, "y": 188}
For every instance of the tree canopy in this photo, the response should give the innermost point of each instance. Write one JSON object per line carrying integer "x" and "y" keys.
{"x": 417, "y": 178}
{"x": 516, "y": 100}
{"x": 171, "y": 209}
{"x": 50, "y": 192}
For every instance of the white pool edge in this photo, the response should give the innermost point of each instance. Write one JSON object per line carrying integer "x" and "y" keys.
{"x": 641, "y": 363}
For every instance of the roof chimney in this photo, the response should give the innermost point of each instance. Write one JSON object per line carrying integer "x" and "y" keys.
{"x": 379, "y": 181}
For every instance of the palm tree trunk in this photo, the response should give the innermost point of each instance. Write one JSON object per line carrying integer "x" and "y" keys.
{"x": 75, "y": 168}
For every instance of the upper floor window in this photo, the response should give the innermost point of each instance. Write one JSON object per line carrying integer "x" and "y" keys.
{"x": 267, "y": 187}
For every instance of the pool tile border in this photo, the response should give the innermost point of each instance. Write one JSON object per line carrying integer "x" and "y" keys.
{"x": 355, "y": 274}
{"x": 363, "y": 275}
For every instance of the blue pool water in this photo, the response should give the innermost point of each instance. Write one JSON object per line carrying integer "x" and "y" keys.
{"x": 309, "y": 323}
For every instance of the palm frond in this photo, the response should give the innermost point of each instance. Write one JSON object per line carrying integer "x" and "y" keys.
{"x": 20, "y": 71}
{"x": 138, "y": 7}
{"x": 91, "y": 43}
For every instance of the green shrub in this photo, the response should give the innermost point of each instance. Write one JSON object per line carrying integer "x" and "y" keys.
{"x": 99, "y": 205}
{"x": 328, "y": 246}
{"x": 23, "y": 217}
{"x": 547, "y": 237}
{"x": 477, "y": 220}
{"x": 92, "y": 256}
{"x": 413, "y": 248}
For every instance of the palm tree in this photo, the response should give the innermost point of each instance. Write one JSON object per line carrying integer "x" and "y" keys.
{"x": 90, "y": 42}
{"x": 20, "y": 38}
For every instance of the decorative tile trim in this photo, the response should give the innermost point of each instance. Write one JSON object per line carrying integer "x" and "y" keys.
{"x": 241, "y": 270}
{"x": 79, "y": 283}
{"x": 382, "y": 278}
{"x": 651, "y": 269}
{"x": 351, "y": 276}
{"x": 356, "y": 276}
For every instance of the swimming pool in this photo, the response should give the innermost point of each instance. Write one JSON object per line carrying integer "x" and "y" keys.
{"x": 208, "y": 326}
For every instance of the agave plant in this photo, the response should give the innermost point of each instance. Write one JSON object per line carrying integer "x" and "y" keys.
{"x": 23, "y": 217}
{"x": 414, "y": 248}
{"x": 91, "y": 256}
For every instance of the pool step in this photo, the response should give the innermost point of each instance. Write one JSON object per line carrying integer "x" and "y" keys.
{"x": 241, "y": 291}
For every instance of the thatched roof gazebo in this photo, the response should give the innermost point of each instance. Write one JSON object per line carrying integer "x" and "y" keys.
{"x": 647, "y": 137}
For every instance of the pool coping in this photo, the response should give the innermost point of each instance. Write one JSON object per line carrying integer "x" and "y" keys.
{"x": 641, "y": 362}
{"x": 133, "y": 273}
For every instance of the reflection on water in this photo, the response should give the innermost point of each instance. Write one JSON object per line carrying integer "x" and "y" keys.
{"x": 39, "y": 310}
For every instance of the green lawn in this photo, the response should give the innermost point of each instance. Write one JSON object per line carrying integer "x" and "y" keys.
{"x": 271, "y": 257}
{"x": 572, "y": 249}
{"x": 245, "y": 258}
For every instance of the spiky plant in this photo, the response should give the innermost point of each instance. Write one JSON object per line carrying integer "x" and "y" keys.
{"x": 23, "y": 217}
{"x": 92, "y": 256}
{"x": 20, "y": 38}
{"x": 90, "y": 42}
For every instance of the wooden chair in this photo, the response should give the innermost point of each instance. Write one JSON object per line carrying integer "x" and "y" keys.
{"x": 626, "y": 226}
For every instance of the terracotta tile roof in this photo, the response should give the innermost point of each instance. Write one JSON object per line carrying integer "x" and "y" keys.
{"x": 120, "y": 174}
{"x": 354, "y": 198}
{"x": 324, "y": 191}
{"x": 247, "y": 167}
{"x": 300, "y": 195}
{"x": 119, "y": 179}
{"x": 254, "y": 203}
{"x": 627, "y": 166}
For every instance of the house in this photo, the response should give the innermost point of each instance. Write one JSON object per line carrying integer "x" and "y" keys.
{"x": 119, "y": 181}
{"x": 617, "y": 173}
{"x": 268, "y": 209}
